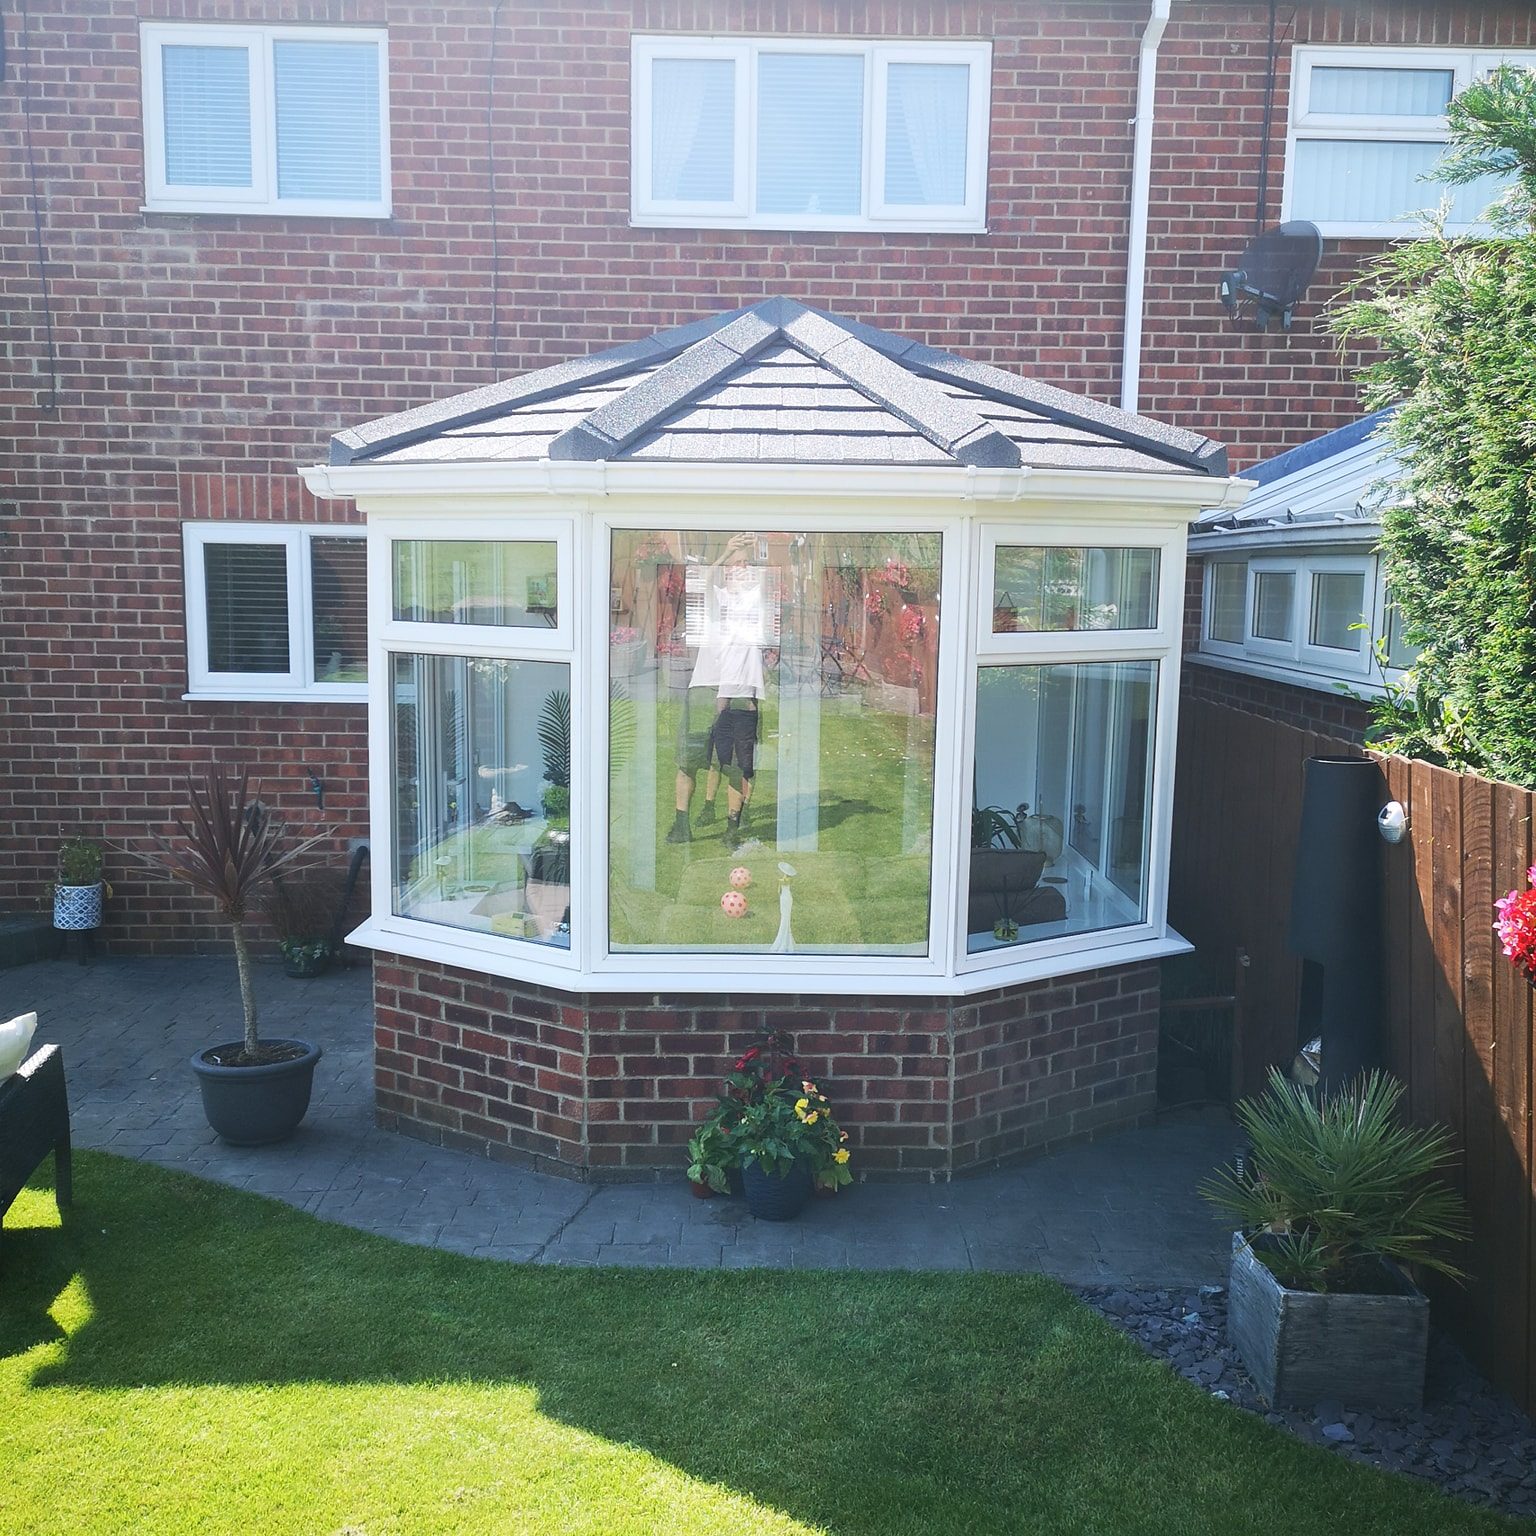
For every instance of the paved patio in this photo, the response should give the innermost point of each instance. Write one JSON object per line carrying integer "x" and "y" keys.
{"x": 1121, "y": 1210}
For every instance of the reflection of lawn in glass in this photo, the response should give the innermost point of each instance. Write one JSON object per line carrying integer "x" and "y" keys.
{"x": 858, "y": 888}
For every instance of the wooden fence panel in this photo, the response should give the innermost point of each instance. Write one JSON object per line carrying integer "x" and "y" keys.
{"x": 1458, "y": 1020}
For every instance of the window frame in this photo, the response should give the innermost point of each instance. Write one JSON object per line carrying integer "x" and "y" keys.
{"x": 261, "y": 197}
{"x": 1464, "y": 64}
{"x": 877, "y": 215}
{"x": 296, "y": 684}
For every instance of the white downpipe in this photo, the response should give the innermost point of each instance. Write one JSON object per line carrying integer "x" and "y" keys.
{"x": 1141, "y": 186}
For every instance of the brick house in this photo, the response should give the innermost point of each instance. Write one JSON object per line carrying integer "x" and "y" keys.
{"x": 231, "y": 232}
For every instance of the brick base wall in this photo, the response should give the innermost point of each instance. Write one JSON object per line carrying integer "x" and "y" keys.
{"x": 606, "y": 1087}
{"x": 1308, "y": 709}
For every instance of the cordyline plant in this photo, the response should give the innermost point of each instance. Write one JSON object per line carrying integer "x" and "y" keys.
{"x": 229, "y": 848}
{"x": 1337, "y": 1184}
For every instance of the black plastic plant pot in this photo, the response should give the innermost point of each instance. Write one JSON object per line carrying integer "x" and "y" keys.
{"x": 772, "y": 1198}
{"x": 251, "y": 1106}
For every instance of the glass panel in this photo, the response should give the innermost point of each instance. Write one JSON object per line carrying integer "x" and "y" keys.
{"x": 207, "y": 116}
{"x": 1043, "y": 587}
{"x": 1063, "y": 798}
{"x": 1380, "y": 92}
{"x": 327, "y": 120}
{"x": 926, "y": 118}
{"x": 1338, "y": 605}
{"x": 693, "y": 130}
{"x": 482, "y": 795}
{"x": 1348, "y": 181}
{"x": 810, "y": 133}
{"x": 338, "y": 585}
{"x": 469, "y": 581}
{"x": 772, "y": 741}
{"x": 1400, "y": 653}
{"x": 1273, "y": 599}
{"x": 1229, "y": 592}
{"x": 246, "y": 587}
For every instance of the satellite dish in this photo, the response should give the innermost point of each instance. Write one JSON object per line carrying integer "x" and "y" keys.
{"x": 1273, "y": 272}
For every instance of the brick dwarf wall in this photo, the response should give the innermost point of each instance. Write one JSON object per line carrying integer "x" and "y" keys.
{"x": 609, "y": 1087}
{"x": 196, "y": 352}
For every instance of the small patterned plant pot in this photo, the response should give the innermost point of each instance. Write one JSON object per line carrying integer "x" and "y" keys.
{"x": 77, "y": 908}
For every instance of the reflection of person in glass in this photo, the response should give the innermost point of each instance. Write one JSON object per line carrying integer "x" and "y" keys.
{"x": 719, "y": 725}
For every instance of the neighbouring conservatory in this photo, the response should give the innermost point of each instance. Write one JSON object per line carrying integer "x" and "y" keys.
{"x": 774, "y": 671}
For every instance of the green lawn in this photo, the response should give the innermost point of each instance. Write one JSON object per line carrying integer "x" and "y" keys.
{"x": 183, "y": 1357}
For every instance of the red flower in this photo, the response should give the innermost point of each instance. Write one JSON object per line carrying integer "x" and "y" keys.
{"x": 1516, "y": 926}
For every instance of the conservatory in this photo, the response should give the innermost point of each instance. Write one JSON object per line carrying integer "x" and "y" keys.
{"x": 771, "y": 658}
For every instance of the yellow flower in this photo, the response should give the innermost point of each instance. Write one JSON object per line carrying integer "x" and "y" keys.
{"x": 841, "y": 1155}
{"x": 801, "y": 1105}
{"x": 812, "y": 1118}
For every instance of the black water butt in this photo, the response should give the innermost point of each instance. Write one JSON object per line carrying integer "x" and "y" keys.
{"x": 1336, "y": 914}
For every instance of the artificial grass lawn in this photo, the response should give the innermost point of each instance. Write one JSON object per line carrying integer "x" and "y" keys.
{"x": 183, "y": 1357}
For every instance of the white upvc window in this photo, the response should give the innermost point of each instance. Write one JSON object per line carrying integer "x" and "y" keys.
{"x": 1303, "y": 616}
{"x": 1367, "y": 127}
{"x": 809, "y": 134}
{"x": 275, "y": 611}
{"x": 291, "y": 120}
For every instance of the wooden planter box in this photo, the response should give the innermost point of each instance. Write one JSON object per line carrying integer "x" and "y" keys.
{"x": 1302, "y": 1348}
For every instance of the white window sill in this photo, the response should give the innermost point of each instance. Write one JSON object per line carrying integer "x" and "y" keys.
{"x": 288, "y": 696}
{"x": 374, "y": 211}
{"x": 1320, "y": 682}
{"x": 515, "y": 961}
{"x": 783, "y": 226}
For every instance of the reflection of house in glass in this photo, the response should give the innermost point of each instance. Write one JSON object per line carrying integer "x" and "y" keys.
{"x": 772, "y": 615}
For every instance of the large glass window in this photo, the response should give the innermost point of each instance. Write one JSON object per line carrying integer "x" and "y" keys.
{"x": 1274, "y": 603}
{"x": 482, "y": 795}
{"x": 1338, "y": 610}
{"x": 1228, "y": 594}
{"x": 1062, "y": 800}
{"x": 771, "y": 753}
{"x": 1051, "y": 587}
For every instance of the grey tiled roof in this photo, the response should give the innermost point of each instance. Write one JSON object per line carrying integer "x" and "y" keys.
{"x": 779, "y": 383}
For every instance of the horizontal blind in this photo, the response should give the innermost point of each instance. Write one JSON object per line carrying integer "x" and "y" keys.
{"x": 327, "y": 97}
{"x": 247, "y": 602}
{"x": 1361, "y": 181}
{"x": 693, "y": 130}
{"x": 1351, "y": 91}
{"x": 338, "y": 584}
{"x": 207, "y": 101}
{"x": 927, "y": 114}
{"x": 810, "y": 133}
{"x": 1338, "y": 605}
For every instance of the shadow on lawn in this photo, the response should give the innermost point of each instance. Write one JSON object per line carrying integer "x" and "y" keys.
{"x": 864, "y": 1403}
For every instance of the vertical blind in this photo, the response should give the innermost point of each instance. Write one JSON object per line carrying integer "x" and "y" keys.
{"x": 693, "y": 130}
{"x": 810, "y": 133}
{"x": 1373, "y": 181}
{"x": 327, "y": 106}
{"x": 1348, "y": 91}
{"x": 926, "y": 120}
{"x": 207, "y": 101}
{"x": 247, "y": 602}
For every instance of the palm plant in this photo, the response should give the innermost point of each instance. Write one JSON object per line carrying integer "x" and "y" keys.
{"x": 229, "y": 848}
{"x": 1337, "y": 1184}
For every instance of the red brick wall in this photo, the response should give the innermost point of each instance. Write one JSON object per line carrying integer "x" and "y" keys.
{"x": 610, "y": 1087}
{"x": 200, "y": 348}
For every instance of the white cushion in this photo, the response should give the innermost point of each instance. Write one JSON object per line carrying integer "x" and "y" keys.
{"x": 15, "y": 1038}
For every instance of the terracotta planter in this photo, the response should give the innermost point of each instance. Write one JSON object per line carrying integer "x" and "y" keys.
{"x": 701, "y": 1190}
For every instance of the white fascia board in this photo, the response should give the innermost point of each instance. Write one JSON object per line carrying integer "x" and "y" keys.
{"x": 378, "y": 483}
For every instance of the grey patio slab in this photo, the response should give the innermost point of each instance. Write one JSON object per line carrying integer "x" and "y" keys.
{"x": 1119, "y": 1210}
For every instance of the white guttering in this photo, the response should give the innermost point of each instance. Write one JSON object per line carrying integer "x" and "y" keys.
{"x": 1189, "y": 493}
{"x": 1141, "y": 188}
